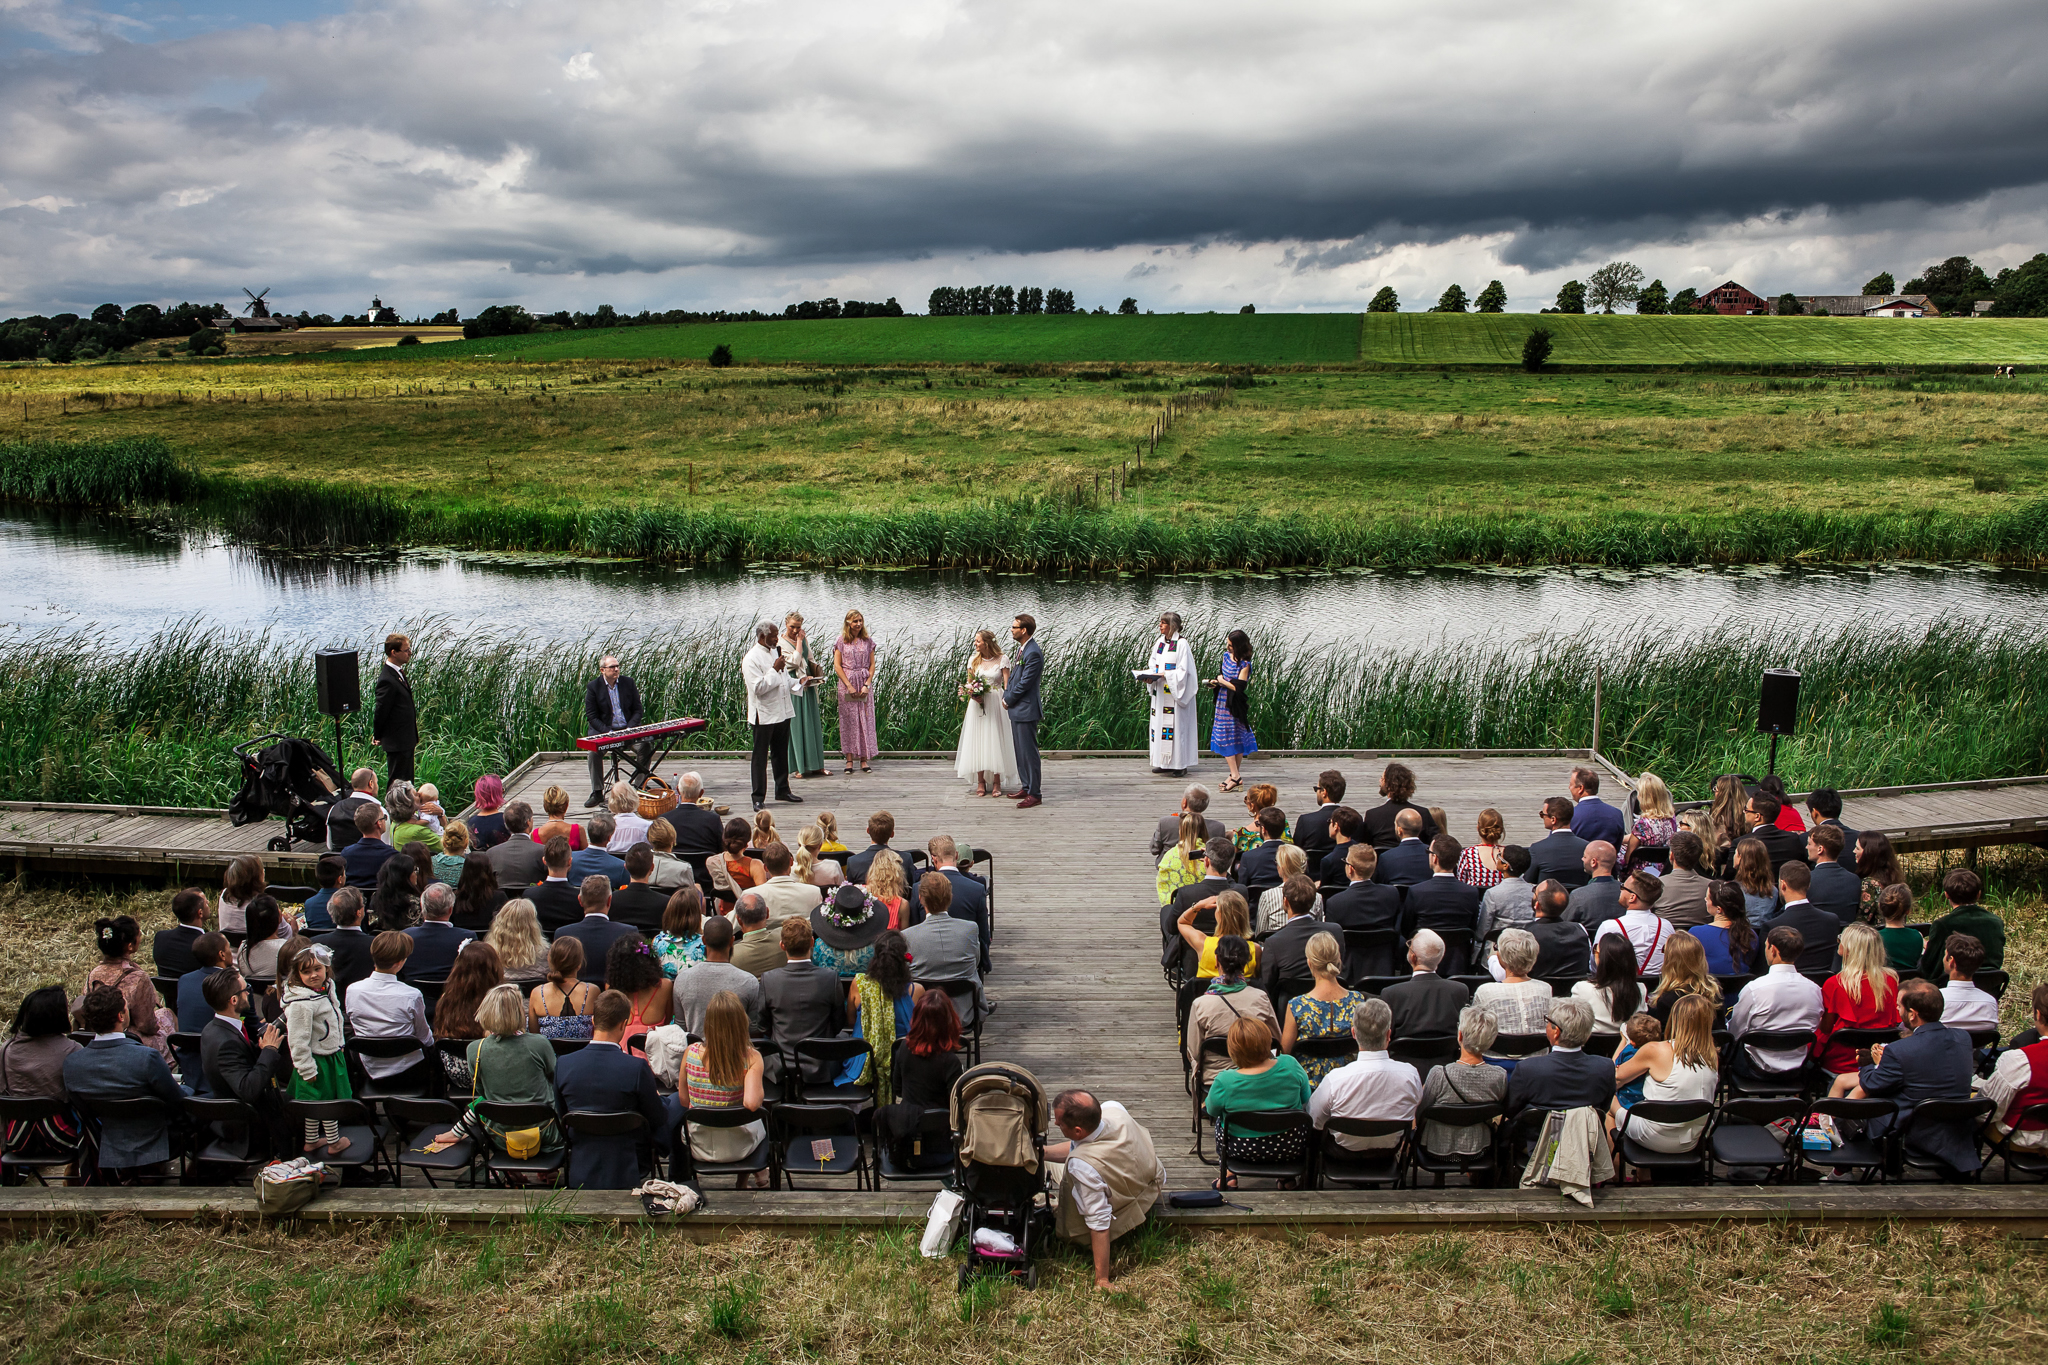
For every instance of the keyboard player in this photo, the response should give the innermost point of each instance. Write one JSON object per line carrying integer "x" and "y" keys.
{"x": 612, "y": 702}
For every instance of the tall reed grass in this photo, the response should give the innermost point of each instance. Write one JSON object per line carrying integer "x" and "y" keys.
{"x": 83, "y": 718}
{"x": 119, "y": 472}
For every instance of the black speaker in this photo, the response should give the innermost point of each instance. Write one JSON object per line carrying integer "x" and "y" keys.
{"x": 339, "y": 675}
{"x": 1778, "y": 704}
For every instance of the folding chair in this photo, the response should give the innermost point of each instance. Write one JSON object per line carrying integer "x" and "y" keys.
{"x": 1695, "y": 1158}
{"x": 1286, "y": 988}
{"x": 415, "y": 1122}
{"x": 1199, "y": 1089}
{"x": 2027, "y": 1161}
{"x": 1368, "y": 953}
{"x": 1425, "y": 1050}
{"x": 365, "y": 1151}
{"x": 186, "y": 1048}
{"x": 1378, "y": 1167}
{"x": 1341, "y": 1048}
{"x": 166, "y": 991}
{"x": 820, "y": 1140}
{"x": 968, "y": 1005}
{"x": 1267, "y": 1123}
{"x": 1862, "y": 1039}
{"x": 1457, "y": 951}
{"x": 1742, "y": 1139}
{"x": 761, "y": 1158}
{"x": 373, "y": 1091}
{"x": 210, "y": 1147}
{"x": 1792, "y": 1082}
{"x": 32, "y": 1109}
{"x": 137, "y": 1109}
{"x": 585, "y": 1124}
{"x": 497, "y": 1164}
{"x": 1375, "y": 985}
{"x": 1966, "y": 1116}
{"x": 1984, "y": 1045}
{"x": 1603, "y": 1044}
{"x": 564, "y": 1046}
{"x": 1854, "y": 1154}
{"x": 1520, "y": 1045}
{"x": 1992, "y": 981}
{"x": 1420, "y": 1158}
{"x": 832, "y": 1054}
{"x": 933, "y": 1156}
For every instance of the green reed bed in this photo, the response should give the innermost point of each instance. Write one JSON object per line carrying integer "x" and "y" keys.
{"x": 85, "y": 719}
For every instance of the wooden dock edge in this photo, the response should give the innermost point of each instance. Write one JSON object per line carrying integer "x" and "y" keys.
{"x": 2016, "y": 1211}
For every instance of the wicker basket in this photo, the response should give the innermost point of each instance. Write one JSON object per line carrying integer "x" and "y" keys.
{"x": 657, "y": 798}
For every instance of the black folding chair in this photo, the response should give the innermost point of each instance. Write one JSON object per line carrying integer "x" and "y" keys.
{"x": 1520, "y": 1045}
{"x": 166, "y": 991}
{"x": 1457, "y": 951}
{"x": 1473, "y": 981}
{"x": 215, "y": 1139}
{"x": 1603, "y": 1044}
{"x": 1369, "y": 953}
{"x": 513, "y": 1117}
{"x": 372, "y": 1091}
{"x": 430, "y": 988}
{"x": 186, "y": 1048}
{"x": 819, "y": 1140}
{"x": 967, "y": 1004}
{"x": 2031, "y": 1161}
{"x": 1263, "y": 1123}
{"x": 931, "y": 1156}
{"x": 760, "y": 1158}
{"x": 1742, "y": 1139}
{"x": 1984, "y": 1045}
{"x": 1285, "y": 989}
{"x": 1852, "y": 1153}
{"x": 586, "y": 1124}
{"x": 1376, "y": 985}
{"x": 416, "y": 1122}
{"x": 1199, "y": 1088}
{"x": 1487, "y": 1159}
{"x": 1862, "y": 1039}
{"x": 1425, "y": 1050}
{"x": 139, "y": 1108}
{"x": 564, "y": 1046}
{"x": 1963, "y": 1116}
{"x": 33, "y": 1109}
{"x": 1992, "y": 981}
{"x": 1694, "y": 1158}
{"x": 1341, "y": 1048}
{"x": 365, "y": 1150}
{"x": 831, "y": 1056}
{"x": 1374, "y": 1168}
{"x": 1791, "y": 1082}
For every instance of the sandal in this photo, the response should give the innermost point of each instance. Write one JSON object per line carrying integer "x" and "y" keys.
{"x": 849, "y": 770}
{"x": 1231, "y": 784}
{"x": 864, "y": 767}
{"x": 1220, "y": 1187}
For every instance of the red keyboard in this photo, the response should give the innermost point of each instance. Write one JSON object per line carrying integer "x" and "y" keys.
{"x": 689, "y": 725}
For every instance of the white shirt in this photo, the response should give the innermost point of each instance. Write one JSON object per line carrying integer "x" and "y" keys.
{"x": 1780, "y": 999}
{"x": 2013, "y": 1074}
{"x": 627, "y": 830}
{"x": 382, "y": 1006}
{"x": 1647, "y": 933}
{"x": 769, "y": 693}
{"x": 1967, "y": 1007}
{"x": 1373, "y": 1087}
{"x": 1091, "y": 1193}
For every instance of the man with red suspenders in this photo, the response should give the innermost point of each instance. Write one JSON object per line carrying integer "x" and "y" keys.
{"x": 2020, "y": 1080}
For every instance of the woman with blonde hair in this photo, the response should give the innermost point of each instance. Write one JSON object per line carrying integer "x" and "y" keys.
{"x": 555, "y": 802}
{"x": 454, "y": 854}
{"x": 522, "y": 952}
{"x": 508, "y": 1066}
{"x": 1725, "y": 819}
{"x": 628, "y": 826}
{"x": 1292, "y": 861}
{"x": 1864, "y": 994}
{"x": 1257, "y": 797}
{"x": 854, "y": 660}
{"x": 888, "y": 886}
{"x": 722, "y": 1070}
{"x": 1479, "y": 865}
{"x": 1684, "y": 1065}
{"x": 670, "y": 872}
{"x": 1185, "y": 863}
{"x": 1232, "y": 917}
{"x": 1684, "y": 972}
{"x": 809, "y": 841}
{"x": 828, "y": 826}
{"x": 1656, "y": 821}
{"x": 1325, "y": 1012}
{"x": 1753, "y": 875}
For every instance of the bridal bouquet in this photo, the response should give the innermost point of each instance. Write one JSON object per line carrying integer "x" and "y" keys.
{"x": 976, "y": 688}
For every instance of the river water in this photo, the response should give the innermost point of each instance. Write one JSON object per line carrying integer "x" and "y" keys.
{"x": 81, "y": 572}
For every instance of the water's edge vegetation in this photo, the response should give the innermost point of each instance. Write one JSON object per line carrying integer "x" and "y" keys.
{"x": 84, "y": 718}
{"x": 142, "y": 477}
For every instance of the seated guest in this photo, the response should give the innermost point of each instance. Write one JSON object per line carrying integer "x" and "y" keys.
{"x": 1425, "y": 1003}
{"x": 560, "y": 1006}
{"x": 597, "y": 930}
{"x": 1349, "y": 827}
{"x": 342, "y": 829}
{"x": 1283, "y": 957}
{"x": 1932, "y": 1062}
{"x": 517, "y": 859}
{"x": 1316, "y": 831}
{"x": 1479, "y": 864}
{"x": 943, "y": 948}
{"x": 1684, "y": 973}
{"x": 680, "y": 944}
{"x": 1372, "y": 1087}
{"x": 1194, "y": 801}
{"x": 731, "y": 870}
{"x": 212, "y": 953}
{"x": 1219, "y": 858}
{"x": 1598, "y": 902}
{"x": 1257, "y": 797}
{"x": 1562, "y": 948}
{"x": 1181, "y": 864}
{"x": 32, "y": 1061}
{"x": 1397, "y": 784}
{"x": 1877, "y": 863}
{"x": 1228, "y": 999}
{"x": 1833, "y": 888}
{"x": 1510, "y": 902}
{"x": 1752, "y": 869}
{"x": 395, "y": 904}
{"x": 1733, "y": 945}
{"x": 928, "y": 1058}
{"x": 408, "y": 825}
{"x": 801, "y": 1000}
{"x": 1440, "y": 901}
{"x": 879, "y": 1001}
{"x": 435, "y": 939}
{"x": 454, "y": 855}
{"x": 1271, "y": 911}
{"x": 723, "y": 1070}
{"x": 604, "y": 1079}
{"x": 1567, "y": 1076}
{"x": 632, "y": 970}
{"x": 1106, "y": 1172}
{"x": 1593, "y": 819}
{"x": 1902, "y": 942}
{"x": 887, "y": 885}
{"x": 1824, "y": 809}
{"x": 970, "y": 893}
{"x": 1518, "y": 1004}
{"x": 1325, "y": 1011}
{"x": 693, "y": 989}
{"x": 596, "y": 859}
{"x": 1259, "y": 866}
{"x": 758, "y": 949}
{"x": 554, "y": 803}
{"x": 1864, "y": 994}
{"x": 1646, "y": 930}
{"x": 477, "y": 972}
{"x": 148, "y": 1019}
{"x": 1684, "y": 902}
{"x": 1363, "y": 903}
{"x": 881, "y": 829}
{"x": 1773, "y": 786}
{"x": 243, "y": 882}
{"x": 487, "y": 827}
{"x": 1965, "y": 1005}
{"x": 382, "y": 1006}
{"x": 699, "y": 834}
{"x": 477, "y": 897}
{"x": 171, "y": 949}
{"x": 1781, "y": 1000}
{"x": 522, "y": 950}
{"x": 1654, "y": 826}
{"x": 1683, "y": 1065}
{"x": 2019, "y": 1082}
{"x": 1469, "y": 1080}
{"x": 844, "y": 931}
{"x": 233, "y": 1067}
{"x": 1962, "y": 887}
{"x": 554, "y": 897}
{"x": 331, "y": 874}
{"x": 1227, "y": 915}
{"x": 1818, "y": 929}
{"x": 1257, "y": 1081}
{"x": 638, "y": 903}
{"x": 116, "y": 1067}
{"x": 364, "y": 858}
{"x": 1614, "y": 993}
{"x": 347, "y": 945}
{"x": 670, "y": 873}
{"x": 1406, "y": 861}
{"x": 1559, "y": 855}
{"x": 509, "y": 1066}
{"x": 629, "y": 827}
{"x": 1780, "y": 844}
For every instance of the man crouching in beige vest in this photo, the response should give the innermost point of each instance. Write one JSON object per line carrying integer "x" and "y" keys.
{"x": 1111, "y": 1177}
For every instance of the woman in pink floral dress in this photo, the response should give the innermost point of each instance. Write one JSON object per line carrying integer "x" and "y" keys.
{"x": 853, "y": 658}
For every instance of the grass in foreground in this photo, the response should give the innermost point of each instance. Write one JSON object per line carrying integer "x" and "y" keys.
{"x": 544, "y": 1291}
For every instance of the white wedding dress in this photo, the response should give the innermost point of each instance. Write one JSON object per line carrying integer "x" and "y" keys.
{"x": 986, "y": 745}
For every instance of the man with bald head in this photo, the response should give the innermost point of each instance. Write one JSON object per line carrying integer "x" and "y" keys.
{"x": 1599, "y": 900}
{"x": 612, "y": 702}
{"x": 341, "y": 816}
{"x": 1563, "y": 948}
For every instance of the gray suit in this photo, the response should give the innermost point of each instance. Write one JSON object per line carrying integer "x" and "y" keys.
{"x": 124, "y": 1069}
{"x": 696, "y": 984}
{"x": 1168, "y": 833}
{"x": 1022, "y": 700}
{"x": 1598, "y": 901}
{"x": 945, "y": 949}
{"x": 517, "y": 862}
{"x": 801, "y": 1001}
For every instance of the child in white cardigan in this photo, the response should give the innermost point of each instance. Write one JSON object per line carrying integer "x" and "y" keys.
{"x": 312, "y": 1021}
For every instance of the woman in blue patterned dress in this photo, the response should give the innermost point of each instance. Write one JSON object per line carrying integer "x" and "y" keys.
{"x": 1324, "y": 1012}
{"x": 1231, "y": 734}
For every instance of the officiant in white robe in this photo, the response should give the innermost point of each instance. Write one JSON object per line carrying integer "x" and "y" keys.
{"x": 1175, "y": 684}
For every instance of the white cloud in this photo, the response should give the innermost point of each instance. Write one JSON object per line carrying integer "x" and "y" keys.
{"x": 582, "y": 67}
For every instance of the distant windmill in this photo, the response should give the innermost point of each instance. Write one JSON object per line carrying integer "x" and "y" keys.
{"x": 256, "y": 307}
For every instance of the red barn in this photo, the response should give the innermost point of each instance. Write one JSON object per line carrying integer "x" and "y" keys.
{"x": 1733, "y": 298}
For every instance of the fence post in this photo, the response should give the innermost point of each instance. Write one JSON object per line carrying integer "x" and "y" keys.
{"x": 1596, "y": 711}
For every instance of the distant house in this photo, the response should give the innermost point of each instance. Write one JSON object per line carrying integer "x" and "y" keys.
{"x": 1982, "y": 307}
{"x": 1902, "y": 306}
{"x": 1868, "y": 305}
{"x": 1733, "y": 298}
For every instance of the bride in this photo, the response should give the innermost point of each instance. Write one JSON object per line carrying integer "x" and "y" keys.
{"x": 987, "y": 754}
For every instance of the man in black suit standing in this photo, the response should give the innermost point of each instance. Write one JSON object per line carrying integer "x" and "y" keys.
{"x": 612, "y": 702}
{"x": 1566, "y": 1077}
{"x": 395, "y": 724}
{"x": 1407, "y": 862}
{"x": 172, "y": 947}
{"x": 1442, "y": 902}
{"x": 1027, "y": 710}
{"x": 1783, "y": 845}
{"x": 597, "y": 931}
{"x": 1313, "y": 831}
{"x": 1834, "y": 888}
{"x": 1824, "y": 804}
{"x": 1560, "y": 854}
{"x": 347, "y": 941}
{"x": 1425, "y": 1002}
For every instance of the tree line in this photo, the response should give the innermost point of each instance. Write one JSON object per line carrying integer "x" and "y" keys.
{"x": 998, "y": 300}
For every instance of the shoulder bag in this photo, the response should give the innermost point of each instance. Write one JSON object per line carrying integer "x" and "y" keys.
{"x": 521, "y": 1144}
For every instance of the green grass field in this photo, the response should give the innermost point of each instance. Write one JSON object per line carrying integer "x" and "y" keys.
{"x": 1626, "y": 339}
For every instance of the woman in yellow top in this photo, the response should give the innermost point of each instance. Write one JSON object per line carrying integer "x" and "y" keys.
{"x": 1186, "y": 862}
{"x": 828, "y": 825}
{"x": 1233, "y": 916}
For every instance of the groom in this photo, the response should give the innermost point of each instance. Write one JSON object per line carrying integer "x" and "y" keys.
{"x": 1021, "y": 697}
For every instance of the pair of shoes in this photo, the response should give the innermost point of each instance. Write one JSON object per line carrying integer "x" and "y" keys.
{"x": 1846, "y": 1176}
{"x": 864, "y": 768}
{"x": 791, "y": 797}
{"x": 989, "y": 1007}
{"x": 760, "y": 805}
{"x": 1028, "y": 802}
{"x": 1017, "y": 795}
{"x": 593, "y": 800}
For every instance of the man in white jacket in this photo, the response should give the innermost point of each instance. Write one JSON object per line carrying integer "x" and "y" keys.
{"x": 1169, "y": 675}
{"x": 770, "y": 707}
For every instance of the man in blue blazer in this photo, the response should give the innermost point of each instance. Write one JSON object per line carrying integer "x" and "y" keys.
{"x": 1022, "y": 701}
{"x": 1929, "y": 1063}
{"x": 435, "y": 941}
{"x": 115, "y": 1066}
{"x": 970, "y": 894}
{"x": 594, "y": 858}
{"x": 1407, "y": 862}
{"x": 1834, "y": 888}
{"x": 366, "y": 857}
{"x": 605, "y": 1079}
{"x": 1566, "y": 1076}
{"x": 597, "y": 931}
{"x": 1593, "y": 818}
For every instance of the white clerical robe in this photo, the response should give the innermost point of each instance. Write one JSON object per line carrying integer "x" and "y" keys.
{"x": 1175, "y": 736}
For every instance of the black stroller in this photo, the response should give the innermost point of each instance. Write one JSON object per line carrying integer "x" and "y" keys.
{"x": 289, "y": 777}
{"x": 999, "y": 1113}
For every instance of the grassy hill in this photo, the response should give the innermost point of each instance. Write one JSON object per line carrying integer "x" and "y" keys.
{"x": 1628, "y": 339}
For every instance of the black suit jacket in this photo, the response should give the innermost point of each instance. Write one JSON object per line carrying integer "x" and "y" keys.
{"x": 857, "y": 869}
{"x": 1819, "y": 928}
{"x": 1838, "y": 891}
{"x": 1379, "y": 824}
{"x": 1563, "y": 948}
{"x": 604, "y": 1079}
{"x": 434, "y": 946}
{"x": 396, "y": 723}
{"x": 1561, "y": 1080}
{"x": 1284, "y": 955}
{"x": 1559, "y": 855}
{"x": 364, "y": 859}
{"x": 597, "y": 707}
{"x": 233, "y": 1066}
{"x": 1364, "y": 905}
{"x": 1426, "y": 1003}
{"x": 1260, "y": 865}
{"x": 1405, "y": 864}
{"x": 1442, "y": 904}
{"x": 351, "y": 949}
{"x": 1314, "y": 832}
{"x": 597, "y": 934}
{"x": 1783, "y": 846}
{"x": 699, "y": 832}
{"x": 800, "y": 1001}
{"x": 1334, "y": 872}
{"x": 970, "y": 903}
{"x": 172, "y": 949}
{"x": 641, "y": 906}
{"x": 556, "y": 905}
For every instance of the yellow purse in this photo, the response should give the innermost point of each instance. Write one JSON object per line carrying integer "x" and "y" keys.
{"x": 521, "y": 1144}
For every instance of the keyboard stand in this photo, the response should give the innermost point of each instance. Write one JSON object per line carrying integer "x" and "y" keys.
{"x": 645, "y": 756}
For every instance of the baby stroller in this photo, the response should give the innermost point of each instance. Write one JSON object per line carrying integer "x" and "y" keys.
{"x": 290, "y": 777}
{"x": 999, "y": 1113}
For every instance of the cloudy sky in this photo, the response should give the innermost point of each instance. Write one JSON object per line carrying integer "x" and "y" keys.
{"x": 1196, "y": 155}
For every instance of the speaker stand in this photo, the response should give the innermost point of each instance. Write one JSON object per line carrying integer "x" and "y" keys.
{"x": 341, "y": 759}
{"x": 1772, "y": 769}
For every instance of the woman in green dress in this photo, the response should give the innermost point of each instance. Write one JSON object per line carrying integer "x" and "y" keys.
{"x": 807, "y": 733}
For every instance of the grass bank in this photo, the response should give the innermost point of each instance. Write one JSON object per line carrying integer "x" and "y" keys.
{"x": 83, "y": 719}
